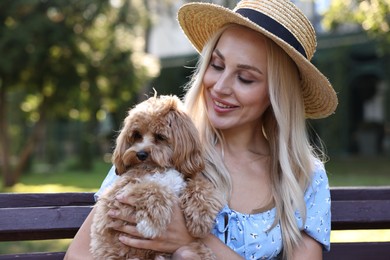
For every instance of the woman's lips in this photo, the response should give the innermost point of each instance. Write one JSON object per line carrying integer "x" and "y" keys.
{"x": 220, "y": 106}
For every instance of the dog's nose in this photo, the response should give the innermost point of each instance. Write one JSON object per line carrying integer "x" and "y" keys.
{"x": 142, "y": 155}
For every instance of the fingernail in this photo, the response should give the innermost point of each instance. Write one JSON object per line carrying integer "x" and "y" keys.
{"x": 112, "y": 213}
{"x": 122, "y": 238}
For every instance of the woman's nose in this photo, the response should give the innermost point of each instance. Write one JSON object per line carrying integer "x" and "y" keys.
{"x": 223, "y": 85}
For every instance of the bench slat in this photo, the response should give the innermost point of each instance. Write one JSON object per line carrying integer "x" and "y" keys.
{"x": 372, "y": 214}
{"x": 18, "y": 200}
{"x": 359, "y": 251}
{"x": 35, "y": 256}
{"x": 361, "y": 193}
{"x": 354, "y": 251}
{"x": 41, "y": 223}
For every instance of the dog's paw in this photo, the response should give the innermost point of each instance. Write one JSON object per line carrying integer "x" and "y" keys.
{"x": 200, "y": 204}
{"x": 154, "y": 212}
{"x": 200, "y": 220}
{"x": 198, "y": 225}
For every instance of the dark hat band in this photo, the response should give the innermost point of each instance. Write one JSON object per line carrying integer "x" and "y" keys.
{"x": 272, "y": 26}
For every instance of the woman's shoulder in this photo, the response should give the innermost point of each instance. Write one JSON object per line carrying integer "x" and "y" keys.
{"x": 318, "y": 165}
{"x": 319, "y": 175}
{"x": 108, "y": 181}
{"x": 319, "y": 182}
{"x": 318, "y": 202}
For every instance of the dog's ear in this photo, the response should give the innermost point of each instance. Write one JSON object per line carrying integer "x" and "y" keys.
{"x": 120, "y": 148}
{"x": 187, "y": 150}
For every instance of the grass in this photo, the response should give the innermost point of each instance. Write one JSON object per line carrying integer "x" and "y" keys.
{"x": 59, "y": 245}
{"x": 61, "y": 179}
{"x": 341, "y": 172}
{"x": 358, "y": 171}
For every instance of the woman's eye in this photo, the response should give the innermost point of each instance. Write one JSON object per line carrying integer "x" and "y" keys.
{"x": 215, "y": 66}
{"x": 245, "y": 81}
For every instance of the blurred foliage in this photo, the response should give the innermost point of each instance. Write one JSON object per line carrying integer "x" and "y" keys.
{"x": 69, "y": 53}
{"x": 355, "y": 55}
{"x": 71, "y": 61}
{"x": 372, "y": 16}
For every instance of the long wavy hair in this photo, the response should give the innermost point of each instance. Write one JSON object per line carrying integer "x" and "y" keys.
{"x": 284, "y": 126}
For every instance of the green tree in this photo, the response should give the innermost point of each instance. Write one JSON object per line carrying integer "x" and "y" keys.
{"x": 373, "y": 16}
{"x": 71, "y": 59}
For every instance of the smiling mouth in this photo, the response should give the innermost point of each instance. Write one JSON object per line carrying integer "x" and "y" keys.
{"x": 221, "y": 105}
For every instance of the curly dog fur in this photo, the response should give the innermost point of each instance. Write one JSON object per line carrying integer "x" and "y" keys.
{"x": 159, "y": 158}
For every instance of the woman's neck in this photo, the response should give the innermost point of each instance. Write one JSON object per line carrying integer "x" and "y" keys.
{"x": 250, "y": 141}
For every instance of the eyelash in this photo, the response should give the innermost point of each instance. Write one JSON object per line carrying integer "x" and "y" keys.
{"x": 245, "y": 81}
{"x": 220, "y": 68}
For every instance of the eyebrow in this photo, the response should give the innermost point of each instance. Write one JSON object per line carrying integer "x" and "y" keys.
{"x": 241, "y": 66}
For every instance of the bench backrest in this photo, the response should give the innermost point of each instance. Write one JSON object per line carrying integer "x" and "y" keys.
{"x": 42, "y": 216}
{"x": 362, "y": 208}
{"x": 59, "y": 215}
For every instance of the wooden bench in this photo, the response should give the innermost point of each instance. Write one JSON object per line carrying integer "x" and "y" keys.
{"x": 59, "y": 215}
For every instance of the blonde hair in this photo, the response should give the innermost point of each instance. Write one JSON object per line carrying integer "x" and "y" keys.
{"x": 215, "y": 169}
{"x": 284, "y": 126}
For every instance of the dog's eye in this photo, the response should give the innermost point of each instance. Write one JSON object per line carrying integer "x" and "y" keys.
{"x": 160, "y": 137}
{"x": 136, "y": 136}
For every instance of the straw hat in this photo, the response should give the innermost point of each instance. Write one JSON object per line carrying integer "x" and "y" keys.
{"x": 279, "y": 20}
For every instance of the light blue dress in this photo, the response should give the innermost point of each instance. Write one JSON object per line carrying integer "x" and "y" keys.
{"x": 250, "y": 235}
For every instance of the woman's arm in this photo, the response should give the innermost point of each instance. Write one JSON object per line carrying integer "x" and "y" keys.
{"x": 172, "y": 243}
{"x": 309, "y": 249}
{"x": 174, "y": 240}
{"x": 79, "y": 248}
{"x": 220, "y": 249}
{"x": 176, "y": 237}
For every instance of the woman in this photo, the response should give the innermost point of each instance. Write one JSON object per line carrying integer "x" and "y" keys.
{"x": 249, "y": 97}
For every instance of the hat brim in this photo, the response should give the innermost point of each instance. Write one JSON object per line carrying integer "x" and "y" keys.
{"x": 199, "y": 21}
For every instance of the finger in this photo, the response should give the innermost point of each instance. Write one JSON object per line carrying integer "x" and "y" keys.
{"x": 126, "y": 199}
{"x": 135, "y": 242}
{"x": 117, "y": 214}
{"x": 129, "y": 230}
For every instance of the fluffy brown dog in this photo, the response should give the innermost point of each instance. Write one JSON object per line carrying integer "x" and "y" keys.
{"x": 159, "y": 157}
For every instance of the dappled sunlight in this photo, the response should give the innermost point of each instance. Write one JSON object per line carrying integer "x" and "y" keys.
{"x": 46, "y": 188}
{"x": 343, "y": 236}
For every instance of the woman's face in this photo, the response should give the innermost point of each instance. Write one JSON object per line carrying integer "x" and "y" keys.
{"x": 235, "y": 82}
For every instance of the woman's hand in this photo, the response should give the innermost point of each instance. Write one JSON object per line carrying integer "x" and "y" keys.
{"x": 174, "y": 238}
{"x": 185, "y": 253}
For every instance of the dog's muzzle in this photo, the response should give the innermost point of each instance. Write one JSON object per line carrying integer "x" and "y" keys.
{"x": 142, "y": 155}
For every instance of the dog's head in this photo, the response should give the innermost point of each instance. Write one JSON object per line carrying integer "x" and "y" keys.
{"x": 159, "y": 133}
